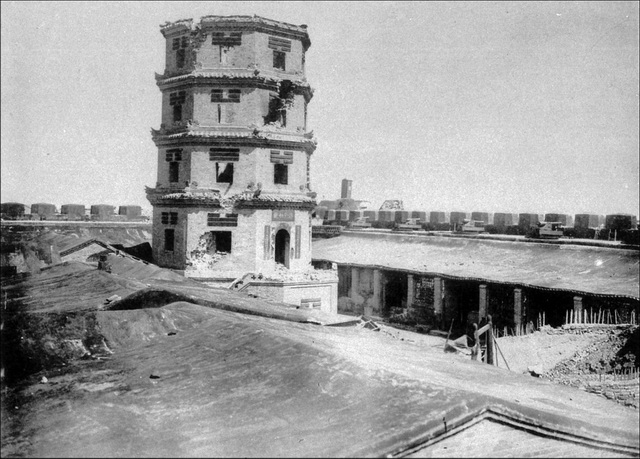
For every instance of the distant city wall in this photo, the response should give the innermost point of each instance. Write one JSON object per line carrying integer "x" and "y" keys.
{"x": 71, "y": 212}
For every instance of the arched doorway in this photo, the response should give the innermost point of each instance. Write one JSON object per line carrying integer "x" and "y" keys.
{"x": 282, "y": 247}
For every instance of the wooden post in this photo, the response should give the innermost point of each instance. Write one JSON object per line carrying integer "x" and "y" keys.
{"x": 566, "y": 317}
{"x": 490, "y": 340}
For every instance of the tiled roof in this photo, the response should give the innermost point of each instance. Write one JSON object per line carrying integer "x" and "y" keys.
{"x": 271, "y": 134}
{"x": 79, "y": 245}
{"x": 233, "y": 74}
{"x": 265, "y": 197}
{"x": 191, "y": 195}
{"x": 595, "y": 270}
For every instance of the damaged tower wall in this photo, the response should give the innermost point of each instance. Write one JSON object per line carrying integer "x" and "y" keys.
{"x": 233, "y": 191}
{"x": 248, "y": 54}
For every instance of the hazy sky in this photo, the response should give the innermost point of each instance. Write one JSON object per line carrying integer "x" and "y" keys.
{"x": 499, "y": 107}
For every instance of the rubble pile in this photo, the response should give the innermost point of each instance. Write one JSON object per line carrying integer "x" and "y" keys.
{"x": 608, "y": 366}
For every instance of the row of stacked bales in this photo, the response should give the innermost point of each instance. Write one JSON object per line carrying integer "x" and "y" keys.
{"x": 579, "y": 226}
{"x": 70, "y": 212}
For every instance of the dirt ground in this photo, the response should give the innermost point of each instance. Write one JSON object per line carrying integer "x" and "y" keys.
{"x": 174, "y": 378}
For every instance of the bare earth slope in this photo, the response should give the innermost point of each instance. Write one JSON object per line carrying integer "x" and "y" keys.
{"x": 190, "y": 380}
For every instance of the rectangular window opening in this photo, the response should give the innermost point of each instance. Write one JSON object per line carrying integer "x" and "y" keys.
{"x": 279, "y": 60}
{"x": 177, "y": 113}
{"x": 180, "y": 58}
{"x": 224, "y": 172}
{"x": 173, "y": 155}
{"x": 169, "y": 218}
{"x": 169, "y": 239}
{"x": 174, "y": 168}
{"x": 222, "y": 241}
{"x": 280, "y": 174}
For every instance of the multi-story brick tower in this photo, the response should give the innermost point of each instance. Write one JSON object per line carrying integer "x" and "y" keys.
{"x": 233, "y": 192}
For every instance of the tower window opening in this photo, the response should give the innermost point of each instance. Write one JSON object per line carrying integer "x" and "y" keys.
{"x": 224, "y": 158}
{"x": 224, "y": 172}
{"x": 177, "y": 113}
{"x": 173, "y": 155}
{"x": 174, "y": 171}
{"x": 222, "y": 241}
{"x": 180, "y": 58}
{"x": 176, "y": 99}
{"x": 280, "y": 47}
{"x": 179, "y": 45}
{"x": 169, "y": 239}
{"x": 280, "y": 174}
{"x": 279, "y": 60}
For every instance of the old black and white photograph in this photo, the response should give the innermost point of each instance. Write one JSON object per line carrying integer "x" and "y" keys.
{"x": 320, "y": 229}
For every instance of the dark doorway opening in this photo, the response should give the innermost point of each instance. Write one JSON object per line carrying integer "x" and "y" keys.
{"x": 282, "y": 247}
{"x": 395, "y": 292}
{"x": 552, "y": 304}
{"x": 461, "y": 304}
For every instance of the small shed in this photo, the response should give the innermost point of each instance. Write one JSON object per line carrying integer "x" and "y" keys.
{"x": 617, "y": 222}
{"x": 504, "y": 219}
{"x": 43, "y": 209}
{"x": 437, "y": 217}
{"x": 130, "y": 211}
{"x": 527, "y": 220}
{"x": 73, "y": 211}
{"x": 102, "y": 211}
{"x": 13, "y": 210}
{"x": 387, "y": 215}
{"x": 586, "y": 221}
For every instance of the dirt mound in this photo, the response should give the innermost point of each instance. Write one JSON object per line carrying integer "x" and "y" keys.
{"x": 143, "y": 271}
{"x": 540, "y": 350}
{"x": 611, "y": 350}
{"x": 148, "y": 298}
{"x": 66, "y": 287}
{"x": 123, "y": 328}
